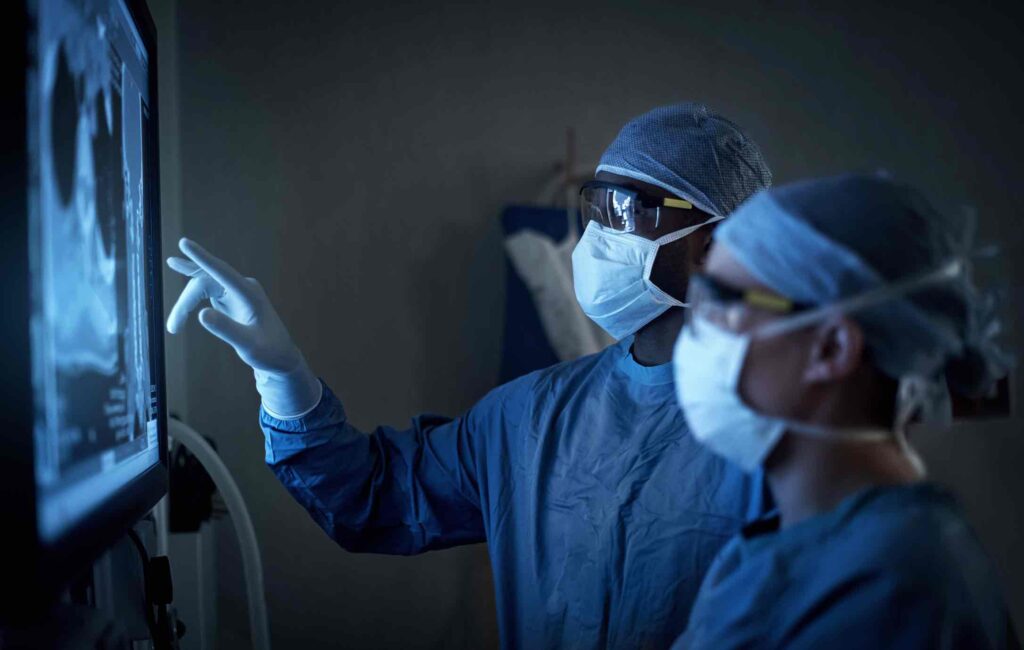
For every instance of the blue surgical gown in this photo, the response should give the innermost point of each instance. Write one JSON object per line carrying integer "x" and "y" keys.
{"x": 890, "y": 567}
{"x": 601, "y": 511}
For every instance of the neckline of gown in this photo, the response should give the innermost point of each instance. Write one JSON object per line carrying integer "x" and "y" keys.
{"x": 647, "y": 375}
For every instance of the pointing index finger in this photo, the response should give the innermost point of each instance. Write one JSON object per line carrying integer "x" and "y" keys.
{"x": 217, "y": 268}
{"x": 184, "y": 266}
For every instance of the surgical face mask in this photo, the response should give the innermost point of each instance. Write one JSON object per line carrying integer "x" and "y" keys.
{"x": 612, "y": 277}
{"x": 708, "y": 361}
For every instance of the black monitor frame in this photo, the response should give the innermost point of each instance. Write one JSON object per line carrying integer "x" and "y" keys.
{"x": 34, "y": 572}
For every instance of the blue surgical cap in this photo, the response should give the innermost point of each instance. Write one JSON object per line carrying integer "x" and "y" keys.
{"x": 693, "y": 153}
{"x": 822, "y": 240}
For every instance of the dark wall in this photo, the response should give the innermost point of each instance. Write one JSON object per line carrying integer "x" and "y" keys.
{"x": 355, "y": 160}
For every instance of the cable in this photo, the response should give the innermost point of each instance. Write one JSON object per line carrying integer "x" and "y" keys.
{"x": 144, "y": 555}
{"x": 251, "y": 565}
{"x": 132, "y": 535}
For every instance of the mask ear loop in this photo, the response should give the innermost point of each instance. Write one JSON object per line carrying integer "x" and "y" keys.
{"x": 662, "y": 241}
{"x": 910, "y": 397}
{"x": 837, "y": 434}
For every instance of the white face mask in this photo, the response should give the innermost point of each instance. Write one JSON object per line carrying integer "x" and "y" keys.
{"x": 708, "y": 362}
{"x": 612, "y": 277}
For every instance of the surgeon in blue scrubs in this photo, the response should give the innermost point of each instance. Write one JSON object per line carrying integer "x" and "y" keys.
{"x": 831, "y": 314}
{"x": 601, "y": 511}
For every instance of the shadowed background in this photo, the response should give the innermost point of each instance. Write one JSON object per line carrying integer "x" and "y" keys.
{"x": 356, "y": 160}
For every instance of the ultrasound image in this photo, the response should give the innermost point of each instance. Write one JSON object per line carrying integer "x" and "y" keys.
{"x": 90, "y": 328}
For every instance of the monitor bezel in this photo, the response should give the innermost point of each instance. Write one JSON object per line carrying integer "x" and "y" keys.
{"x": 38, "y": 570}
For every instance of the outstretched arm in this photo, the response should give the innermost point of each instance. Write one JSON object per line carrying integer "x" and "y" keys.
{"x": 387, "y": 491}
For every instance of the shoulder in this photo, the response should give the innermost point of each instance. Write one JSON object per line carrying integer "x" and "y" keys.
{"x": 585, "y": 364}
{"x": 734, "y": 607}
{"x": 918, "y": 534}
{"x": 519, "y": 394}
{"x": 560, "y": 374}
{"x": 906, "y": 570}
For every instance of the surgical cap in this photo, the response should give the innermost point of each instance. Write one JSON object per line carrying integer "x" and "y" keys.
{"x": 693, "y": 153}
{"x": 823, "y": 240}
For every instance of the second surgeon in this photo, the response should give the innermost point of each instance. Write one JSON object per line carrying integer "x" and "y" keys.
{"x": 831, "y": 314}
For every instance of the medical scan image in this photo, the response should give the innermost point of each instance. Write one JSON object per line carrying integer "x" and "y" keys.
{"x": 95, "y": 420}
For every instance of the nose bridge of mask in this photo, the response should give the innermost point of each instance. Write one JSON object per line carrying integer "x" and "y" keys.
{"x": 618, "y": 257}
{"x": 620, "y": 247}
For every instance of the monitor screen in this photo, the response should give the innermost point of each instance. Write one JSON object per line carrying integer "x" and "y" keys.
{"x": 92, "y": 316}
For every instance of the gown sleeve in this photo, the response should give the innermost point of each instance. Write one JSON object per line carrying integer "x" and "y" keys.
{"x": 395, "y": 491}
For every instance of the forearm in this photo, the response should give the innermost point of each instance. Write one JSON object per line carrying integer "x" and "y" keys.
{"x": 381, "y": 492}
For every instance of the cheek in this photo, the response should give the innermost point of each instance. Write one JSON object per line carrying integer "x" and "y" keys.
{"x": 671, "y": 269}
{"x": 771, "y": 379}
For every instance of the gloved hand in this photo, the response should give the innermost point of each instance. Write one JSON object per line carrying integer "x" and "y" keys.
{"x": 242, "y": 316}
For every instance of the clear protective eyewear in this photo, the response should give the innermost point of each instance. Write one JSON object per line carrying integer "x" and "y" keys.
{"x": 736, "y": 310}
{"x": 625, "y": 210}
{"x": 757, "y": 313}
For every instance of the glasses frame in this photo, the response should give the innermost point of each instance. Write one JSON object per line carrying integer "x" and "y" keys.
{"x": 756, "y": 298}
{"x": 641, "y": 201}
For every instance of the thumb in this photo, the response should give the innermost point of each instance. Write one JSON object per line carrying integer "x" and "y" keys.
{"x": 225, "y": 328}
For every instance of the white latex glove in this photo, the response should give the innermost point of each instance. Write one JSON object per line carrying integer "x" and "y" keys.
{"x": 242, "y": 316}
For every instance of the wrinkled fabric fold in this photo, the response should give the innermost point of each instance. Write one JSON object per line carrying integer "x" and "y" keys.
{"x": 600, "y": 510}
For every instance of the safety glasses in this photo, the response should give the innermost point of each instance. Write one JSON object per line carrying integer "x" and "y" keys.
{"x": 736, "y": 309}
{"x": 623, "y": 209}
{"x": 741, "y": 310}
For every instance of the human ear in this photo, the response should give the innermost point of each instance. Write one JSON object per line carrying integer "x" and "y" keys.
{"x": 837, "y": 351}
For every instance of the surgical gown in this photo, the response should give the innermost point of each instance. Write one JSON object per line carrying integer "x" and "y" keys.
{"x": 601, "y": 511}
{"x": 891, "y": 567}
